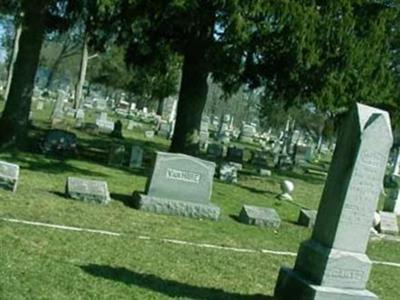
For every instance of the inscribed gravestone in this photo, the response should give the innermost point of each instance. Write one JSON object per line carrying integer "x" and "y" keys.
{"x": 388, "y": 224}
{"x": 87, "y": 190}
{"x": 235, "y": 155}
{"x": 136, "y": 157}
{"x": 9, "y": 174}
{"x": 180, "y": 185}
{"x": 116, "y": 155}
{"x": 259, "y": 216}
{"x": 333, "y": 264}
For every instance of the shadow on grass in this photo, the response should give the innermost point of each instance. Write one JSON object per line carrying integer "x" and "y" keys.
{"x": 60, "y": 194}
{"x": 127, "y": 200}
{"x": 305, "y": 177}
{"x": 56, "y": 167}
{"x": 167, "y": 287}
{"x": 256, "y": 191}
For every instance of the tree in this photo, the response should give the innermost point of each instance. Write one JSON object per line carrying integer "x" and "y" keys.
{"x": 328, "y": 53}
{"x": 207, "y": 34}
{"x": 14, "y": 120}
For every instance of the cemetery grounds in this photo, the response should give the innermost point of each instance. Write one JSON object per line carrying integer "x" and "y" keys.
{"x": 141, "y": 255}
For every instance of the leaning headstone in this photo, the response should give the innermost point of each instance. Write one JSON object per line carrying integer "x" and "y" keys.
{"x": 307, "y": 218}
{"x": 259, "y": 216}
{"x": 333, "y": 263}
{"x": 9, "y": 174}
{"x": 87, "y": 190}
{"x": 179, "y": 185}
{"x": 136, "y": 157}
{"x": 388, "y": 224}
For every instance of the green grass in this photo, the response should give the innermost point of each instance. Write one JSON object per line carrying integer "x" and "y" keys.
{"x": 46, "y": 263}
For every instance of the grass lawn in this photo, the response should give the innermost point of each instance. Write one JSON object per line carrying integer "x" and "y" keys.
{"x": 47, "y": 263}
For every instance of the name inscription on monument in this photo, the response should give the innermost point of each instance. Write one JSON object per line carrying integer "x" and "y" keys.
{"x": 185, "y": 176}
{"x": 364, "y": 189}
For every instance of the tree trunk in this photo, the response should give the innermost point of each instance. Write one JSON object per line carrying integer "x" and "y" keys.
{"x": 15, "y": 118}
{"x": 82, "y": 73}
{"x": 192, "y": 99}
{"x": 160, "y": 107}
{"x": 13, "y": 59}
{"x": 53, "y": 70}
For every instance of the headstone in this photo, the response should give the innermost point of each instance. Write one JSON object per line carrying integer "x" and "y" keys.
{"x": 39, "y": 105}
{"x": 80, "y": 114}
{"x": 116, "y": 155}
{"x": 287, "y": 188}
{"x": 388, "y": 224}
{"x": 117, "y": 131}
{"x": 259, "y": 159}
{"x": 9, "y": 174}
{"x": 307, "y": 218}
{"x": 215, "y": 151}
{"x": 179, "y": 185}
{"x": 333, "y": 263}
{"x": 87, "y": 190}
{"x": 131, "y": 125}
{"x": 265, "y": 172}
{"x": 392, "y": 201}
{"x": 136, "y": 157}
{"x": 164, "y": 129}
{"x": 149, "y": 134}
{"x": 60, "y": 143}
{"x": 259, "y": 216}
{"x": 247, "y": 133}
{"x": 235, "y": 155}
{"x": 227, "y": 173}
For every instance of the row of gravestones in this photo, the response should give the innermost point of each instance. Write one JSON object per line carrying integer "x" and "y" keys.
{"x": 333, "y": 263}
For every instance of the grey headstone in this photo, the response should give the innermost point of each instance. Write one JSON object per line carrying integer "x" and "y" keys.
{"x": 136, "y": 157}
{"x": 87, "y": 190}
{"x": 333, "y": 264}
{"x": 307, "y": 218}
{"x": 180, "y": 185}
{"x": 9, "y": 174}
{"x": 388, "y": 224}
{"x": 259, "y": 216}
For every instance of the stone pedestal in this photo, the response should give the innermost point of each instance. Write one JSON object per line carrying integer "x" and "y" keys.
{"x": 333, "y": 265}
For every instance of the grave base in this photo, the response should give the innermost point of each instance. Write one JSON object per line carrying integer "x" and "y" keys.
{"x": 291, "y": 285}
{"x": 176, "y": 207}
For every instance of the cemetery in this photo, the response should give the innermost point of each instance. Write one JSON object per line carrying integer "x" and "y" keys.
{"x": 172, "y": 167}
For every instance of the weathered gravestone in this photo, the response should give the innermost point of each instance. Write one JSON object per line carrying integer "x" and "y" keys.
{"x": 259, "y": 216}
{"x": 307, "y": 217}
{"x": 87, "y": 190}
{"x": 9, "y": 174}
{"x": 333, "y": 263}
{"x": 388, "y": 223}
{"x": 180, "y": 185}
{"x": 136, "y": 157}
